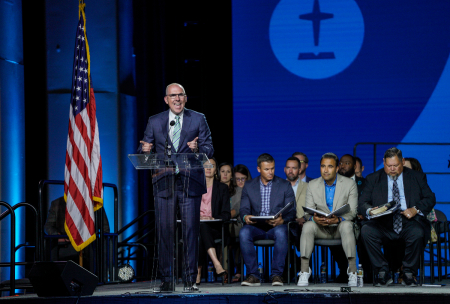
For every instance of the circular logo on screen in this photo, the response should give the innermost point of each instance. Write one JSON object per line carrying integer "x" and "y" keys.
{"x": 316, "y": 38}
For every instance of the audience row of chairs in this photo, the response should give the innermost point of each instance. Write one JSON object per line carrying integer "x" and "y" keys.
{"x": 438, "y": 253}
{"x": 108, "y": 256}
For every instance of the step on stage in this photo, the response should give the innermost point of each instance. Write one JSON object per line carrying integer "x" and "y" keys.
{"x": 138, "y": 293}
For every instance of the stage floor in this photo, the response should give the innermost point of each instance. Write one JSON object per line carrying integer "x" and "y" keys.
{"x": 234, "y": 293}
{"x": 235, "y": 288}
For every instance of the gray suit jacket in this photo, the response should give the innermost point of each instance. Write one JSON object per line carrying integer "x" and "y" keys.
{"x": 300, "y": 198}
{"x": 346, "y": 192}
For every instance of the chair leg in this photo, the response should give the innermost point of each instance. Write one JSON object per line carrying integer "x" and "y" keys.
{"x": 289, "y": 264}
{"x": 295, "y": 264}
{"x": 223, "y": 255}
{"x": 316, "y": 257}
{"x": 333, "y": 266}
{"x": 324, "y": 259}
{"x": 439, "y": 262}
{"x": 268, "y": 259}
{"x": 431, "y": 263}
{"x": 314, "y": 268}
{"x": 242, "y": 268}
{"x": 230, "y": 275}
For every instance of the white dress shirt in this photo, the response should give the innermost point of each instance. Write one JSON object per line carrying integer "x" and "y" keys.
{"x": 401, "y": 190}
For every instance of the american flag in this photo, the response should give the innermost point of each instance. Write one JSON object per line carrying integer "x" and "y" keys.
{"x": 83, "y": 189}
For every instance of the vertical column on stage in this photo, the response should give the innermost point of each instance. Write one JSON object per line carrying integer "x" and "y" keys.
{"x": 12, "y": 127}
{"x": 164, "y": 169}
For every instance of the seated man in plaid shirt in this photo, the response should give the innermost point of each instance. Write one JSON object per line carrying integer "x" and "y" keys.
{"x": 263, "y": 196}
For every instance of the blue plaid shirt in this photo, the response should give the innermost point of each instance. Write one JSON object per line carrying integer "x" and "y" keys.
{"x": 329, "y": 194}
{"x": 265, "y": 197}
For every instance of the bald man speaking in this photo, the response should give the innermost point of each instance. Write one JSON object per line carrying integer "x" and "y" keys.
{"x": 184, "y": 131}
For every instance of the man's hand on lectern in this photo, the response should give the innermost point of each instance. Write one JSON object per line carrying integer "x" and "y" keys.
{"x": 146, "y": 147}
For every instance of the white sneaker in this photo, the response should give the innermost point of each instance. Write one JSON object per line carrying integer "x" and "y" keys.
{"x": 303, "y": 278}
{"x": 352, "y": 279}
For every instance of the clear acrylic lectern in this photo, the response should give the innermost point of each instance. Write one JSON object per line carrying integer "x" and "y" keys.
{"x": 164, "y": 170}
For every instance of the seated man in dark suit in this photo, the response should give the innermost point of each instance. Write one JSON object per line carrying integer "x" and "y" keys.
{"x": 62, "y": 249}
{"x": 265, "y": 195}
{"x": 347, "y": 168}
{"x": 409, "y": 225}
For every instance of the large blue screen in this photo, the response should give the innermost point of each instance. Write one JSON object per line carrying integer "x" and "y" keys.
{"x": 319, "y": 76}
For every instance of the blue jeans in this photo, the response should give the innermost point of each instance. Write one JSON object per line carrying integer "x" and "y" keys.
{"x": 251, "y": 233}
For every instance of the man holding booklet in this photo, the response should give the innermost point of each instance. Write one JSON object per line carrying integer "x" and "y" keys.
{"x": 333, "y": 200}
{"x": 263, "y": 197}
{"x": 408, "y": 191}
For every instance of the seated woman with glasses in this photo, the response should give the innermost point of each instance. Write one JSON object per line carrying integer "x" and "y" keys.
{"x": 215, "y": 205}
{"x": 240, "y": 176}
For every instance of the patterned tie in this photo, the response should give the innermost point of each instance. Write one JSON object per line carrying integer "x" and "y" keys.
{"x": 176, "y": 137}
{"x": 397, "y": 215}
{"x": 176, "y": 133}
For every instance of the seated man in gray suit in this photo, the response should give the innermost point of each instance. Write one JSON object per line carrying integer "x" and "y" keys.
{"x": 262, "y": 196}
{"x": 328, "y": 193}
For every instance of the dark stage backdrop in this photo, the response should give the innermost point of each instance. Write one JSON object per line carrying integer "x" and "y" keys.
{"x": 318, "y": 76}
{"x": 137, "y": 47}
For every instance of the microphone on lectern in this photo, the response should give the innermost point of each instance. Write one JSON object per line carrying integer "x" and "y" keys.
{"x": 168, "y": 149}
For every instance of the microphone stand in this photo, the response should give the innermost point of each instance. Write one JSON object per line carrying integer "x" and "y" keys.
{"x": 167, "y": 147}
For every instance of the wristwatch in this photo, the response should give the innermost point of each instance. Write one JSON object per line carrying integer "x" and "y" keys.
{"x": 417, "y": 210}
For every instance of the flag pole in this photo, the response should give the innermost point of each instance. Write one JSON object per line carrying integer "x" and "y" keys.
{"x": 80, "y": 258}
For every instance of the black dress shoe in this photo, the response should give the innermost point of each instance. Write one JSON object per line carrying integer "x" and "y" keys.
{"x": 384, "y": 279}
{"x": 409, "y": 280}
{"x": 190, "y": 287}
{"x": 165, "y": 286}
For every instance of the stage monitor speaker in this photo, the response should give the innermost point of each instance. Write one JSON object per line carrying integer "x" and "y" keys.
{"x": 59, "y": 279}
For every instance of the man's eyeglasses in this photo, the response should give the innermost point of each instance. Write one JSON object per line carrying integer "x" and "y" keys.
{"x": 243, "y": 179}
{"x": 173, "y": 96}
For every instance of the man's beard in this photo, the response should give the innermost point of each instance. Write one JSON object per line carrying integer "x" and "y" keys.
{"x": 349, "y": 173}
{"x": 292, "y": 178}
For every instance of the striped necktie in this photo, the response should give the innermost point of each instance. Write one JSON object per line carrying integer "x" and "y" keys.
{"x": 176, "y": 133}
{"x": 397, "y": 216}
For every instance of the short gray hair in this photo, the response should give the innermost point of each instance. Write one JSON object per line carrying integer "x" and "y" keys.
{"x": 392, "y": 152}
{"x": 332, "y": 156}
{"x": 167, "y": 88}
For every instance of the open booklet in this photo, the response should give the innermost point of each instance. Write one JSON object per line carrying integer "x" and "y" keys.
{"x": 338, "y": 212}
{"x": 391, "y": 210}
{"x": 262, "y": 218}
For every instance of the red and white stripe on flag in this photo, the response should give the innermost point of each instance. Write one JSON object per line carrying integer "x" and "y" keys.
{"x": 83, "y": 189}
